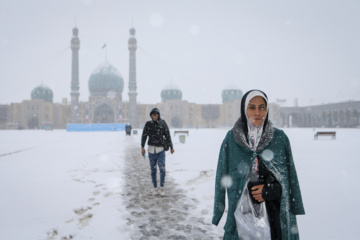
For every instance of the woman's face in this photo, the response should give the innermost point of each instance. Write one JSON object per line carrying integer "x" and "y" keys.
{"x": 256, "y": 111}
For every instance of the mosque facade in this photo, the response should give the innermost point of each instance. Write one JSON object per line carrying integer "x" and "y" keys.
{"x": 105, "y": 103}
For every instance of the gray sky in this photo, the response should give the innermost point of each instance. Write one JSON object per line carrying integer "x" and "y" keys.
{"x": 305, "y": 49}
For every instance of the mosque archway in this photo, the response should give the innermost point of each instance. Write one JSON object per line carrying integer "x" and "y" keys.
{"x": 336, "y": 119}
{"x": 324, "y": 119}
{"x": 33, "y": 122}
{"x": 341, "y": 118}
{"x": 295, "y": 119}
{"x": 329, "y": 119}
{"x": 348, "y": 118}
{"x": 307, "y": 119}
{"x": 176, "y": 122}
{"x": 355, "y": 118}
{"x": 284, "y": 120}
{"x": 104, "y": 114}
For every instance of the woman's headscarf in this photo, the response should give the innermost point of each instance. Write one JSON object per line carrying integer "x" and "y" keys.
{"x": 252, "y": 133}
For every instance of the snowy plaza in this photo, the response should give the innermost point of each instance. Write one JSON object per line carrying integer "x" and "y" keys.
{"x": 76, "y": 74}
{"x": 96, "y": 185}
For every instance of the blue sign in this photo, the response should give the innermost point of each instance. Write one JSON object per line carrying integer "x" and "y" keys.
{"x": 99, "y": 127}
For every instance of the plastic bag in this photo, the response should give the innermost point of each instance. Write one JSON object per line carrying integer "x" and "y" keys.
{"x": 251, "y": 218}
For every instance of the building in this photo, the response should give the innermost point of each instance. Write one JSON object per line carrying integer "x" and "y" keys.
{"x": 36, "y": 113}
{"x": 105, "y": 103}
{"x": 344, "y": 114}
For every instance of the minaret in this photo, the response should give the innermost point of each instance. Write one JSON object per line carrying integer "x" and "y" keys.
{"x": 132, "y": 78}
{"x": 75, "y": 46}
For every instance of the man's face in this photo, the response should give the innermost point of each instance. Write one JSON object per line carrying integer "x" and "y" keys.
{"x": 155, "y": 116}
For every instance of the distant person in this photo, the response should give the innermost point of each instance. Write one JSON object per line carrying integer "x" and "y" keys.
{"x": 257, "y": 171}
{"x": 128, "y": 129}
{"x": 159, "y": 142}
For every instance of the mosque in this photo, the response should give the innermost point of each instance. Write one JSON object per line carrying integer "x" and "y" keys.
{"x": 106, "y": 105}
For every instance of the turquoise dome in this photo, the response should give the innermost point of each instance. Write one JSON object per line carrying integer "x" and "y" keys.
{"x": 171, "y": 92}
{"x": 106, "y": 80}
{"x": 42, "y": 92}
{"x": 232, "y": 93}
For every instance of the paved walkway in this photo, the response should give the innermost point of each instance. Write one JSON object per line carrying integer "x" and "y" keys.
{"x": 156, "y": 217}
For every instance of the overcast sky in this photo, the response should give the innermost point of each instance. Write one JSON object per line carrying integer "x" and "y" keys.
{"x": 305, "y": 49}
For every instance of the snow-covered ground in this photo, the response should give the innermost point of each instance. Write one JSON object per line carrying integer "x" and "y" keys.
{"x": 61, "y": 185}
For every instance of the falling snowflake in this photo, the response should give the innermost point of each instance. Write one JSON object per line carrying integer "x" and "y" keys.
{"x": 267, "y": 155}
{"x": 226, "y": 182}
{"x": 294, "y": 229}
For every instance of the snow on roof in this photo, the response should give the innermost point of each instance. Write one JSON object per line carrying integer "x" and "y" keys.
{"x": 106, "y": 68}
{"x": 171, "y": 86}
{"x": 232, "y": 86}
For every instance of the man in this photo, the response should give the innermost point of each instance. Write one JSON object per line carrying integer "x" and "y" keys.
{"x": 128, "y": 129}
{"x": 159, "y": 142}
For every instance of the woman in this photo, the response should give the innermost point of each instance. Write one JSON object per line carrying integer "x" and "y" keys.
{"x": 258, "y": 156}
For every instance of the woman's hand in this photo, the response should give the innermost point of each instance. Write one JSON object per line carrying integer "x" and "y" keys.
{"x": 256, "y": 191}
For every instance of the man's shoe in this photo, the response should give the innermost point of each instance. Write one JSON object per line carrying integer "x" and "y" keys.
{"x": 162, "y": 191}
{"x": 155, "y": 192}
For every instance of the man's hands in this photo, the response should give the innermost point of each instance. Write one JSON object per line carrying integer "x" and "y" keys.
{"x": 143, "y": 151}
{"x": 256, "y": 191}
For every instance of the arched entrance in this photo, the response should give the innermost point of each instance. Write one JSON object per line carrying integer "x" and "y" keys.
{"x": 355, "y": 118}
{"x": 176, "y": 122}
{"x": 335, "y": 119}
{"x": 104, "y": 114}
{"x": 33, "y": 122}
{"x": 295, "y": 120}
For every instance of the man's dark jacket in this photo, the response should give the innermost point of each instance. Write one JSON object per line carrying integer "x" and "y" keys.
{"x": 157, "y": 131}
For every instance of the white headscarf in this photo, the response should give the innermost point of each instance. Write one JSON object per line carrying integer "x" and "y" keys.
{"x": 254, "y": 133}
